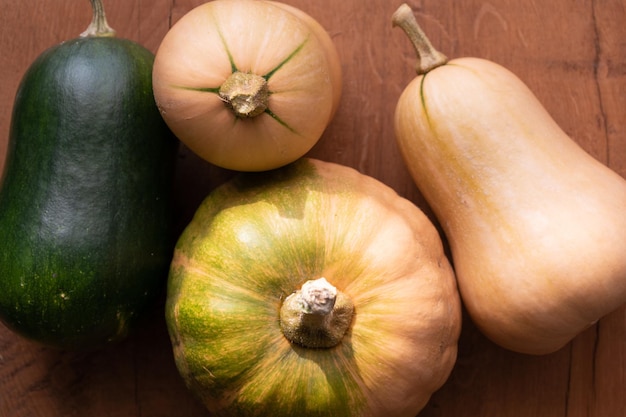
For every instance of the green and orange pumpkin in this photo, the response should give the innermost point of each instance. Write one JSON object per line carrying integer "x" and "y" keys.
{"x": 312, "y": 290}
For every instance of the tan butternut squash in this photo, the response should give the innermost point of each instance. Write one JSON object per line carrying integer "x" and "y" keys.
{"x": 536, "y": 226}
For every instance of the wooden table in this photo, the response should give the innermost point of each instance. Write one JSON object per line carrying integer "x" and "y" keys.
{"x": 572, "y": 54}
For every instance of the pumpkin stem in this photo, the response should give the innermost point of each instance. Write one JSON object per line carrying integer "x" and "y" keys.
{"x": 428, "y": 58}
{"x": 246, "y": 94}
{"x": 98, "y": 26}
{"x": 316, "y": 316}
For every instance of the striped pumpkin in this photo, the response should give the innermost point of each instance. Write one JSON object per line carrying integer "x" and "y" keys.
{"x": 247, "y": 252}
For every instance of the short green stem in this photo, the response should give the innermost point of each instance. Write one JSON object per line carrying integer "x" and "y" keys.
{"x": 245, "y": 93}
{"x": 316, "y": 316}
{"x": 428, "y": 58}
{"x": 98, "y": 26}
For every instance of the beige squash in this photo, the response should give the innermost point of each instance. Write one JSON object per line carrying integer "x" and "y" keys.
{"x": 247, "y": 85}
{"x": 537, "y": 227}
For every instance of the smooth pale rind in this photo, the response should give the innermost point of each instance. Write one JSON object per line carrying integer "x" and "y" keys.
{"x": 256, "y": 240}
{"x": 198, "y": 53}
{"x": 332, "y": 55}
{"x": 535, "y": 223}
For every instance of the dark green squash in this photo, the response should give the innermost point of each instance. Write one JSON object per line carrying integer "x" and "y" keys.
{"x": 85, "y": 196}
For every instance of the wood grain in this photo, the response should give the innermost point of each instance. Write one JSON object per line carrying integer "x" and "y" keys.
{"x": 571, "y": 54}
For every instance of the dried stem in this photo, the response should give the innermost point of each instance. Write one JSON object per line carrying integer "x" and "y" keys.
{"x": 316, "y": 316}
{"x": 245, "y": 93}
{"x": 428, "y": 58}
{"x": 98, "y": 26}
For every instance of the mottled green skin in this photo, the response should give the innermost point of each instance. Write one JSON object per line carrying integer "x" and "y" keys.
{"x": 257, "y": 239}
{"x": 85, "y": 237}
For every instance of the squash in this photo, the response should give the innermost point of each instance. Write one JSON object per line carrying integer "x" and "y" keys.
{"x": 311, "y": 290}
{"x": 85, "y": 236}
{"x": 536, "y": 225}
{"x": 248, "y": 100}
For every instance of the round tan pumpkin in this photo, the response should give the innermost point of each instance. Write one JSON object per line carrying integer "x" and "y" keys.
{"x": 248, "y": 85}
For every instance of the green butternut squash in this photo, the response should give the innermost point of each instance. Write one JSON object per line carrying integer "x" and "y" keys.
{"x": 536, "y": 225}
{"x": 85, "y": 197}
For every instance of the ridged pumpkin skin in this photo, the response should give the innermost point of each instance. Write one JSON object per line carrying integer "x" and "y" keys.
{"x": 256, "y": 240}
{"x": 85, "y": 198}
{"x": 535, "y": 224}
{"x": 280, "y": 44}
